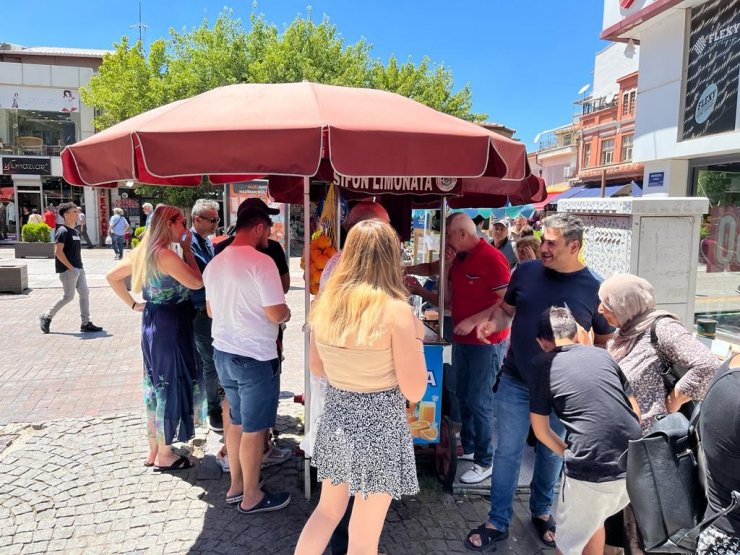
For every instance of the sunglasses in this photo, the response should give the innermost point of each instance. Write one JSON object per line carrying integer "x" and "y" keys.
{"x": 212, "y": 220}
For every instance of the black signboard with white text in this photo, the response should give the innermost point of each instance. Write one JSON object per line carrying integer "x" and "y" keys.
{"x": 713, "y": 69}
{"x": 26, "y": 166}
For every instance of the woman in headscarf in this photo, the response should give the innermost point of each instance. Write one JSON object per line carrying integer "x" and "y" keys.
{"x": 628, "y": 302}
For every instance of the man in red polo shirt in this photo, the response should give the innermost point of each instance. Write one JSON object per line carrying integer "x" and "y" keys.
{"x": 479, "y": 275}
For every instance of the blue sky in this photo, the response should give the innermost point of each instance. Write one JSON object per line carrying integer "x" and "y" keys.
{"x": 524, "y": 59}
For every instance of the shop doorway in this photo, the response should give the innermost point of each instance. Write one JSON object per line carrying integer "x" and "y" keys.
{"x": 27, "y": 202}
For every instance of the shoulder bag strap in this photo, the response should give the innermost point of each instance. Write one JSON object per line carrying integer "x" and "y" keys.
{"x": 688, "y": 538}
{"x": 669, "y": 374}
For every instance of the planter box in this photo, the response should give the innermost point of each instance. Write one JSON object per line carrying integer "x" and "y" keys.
{"x": 34, "y": 250}
{"x": 13, "y": 278}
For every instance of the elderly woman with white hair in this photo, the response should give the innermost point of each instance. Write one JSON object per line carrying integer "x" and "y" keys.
{"x": 117, "y": 229}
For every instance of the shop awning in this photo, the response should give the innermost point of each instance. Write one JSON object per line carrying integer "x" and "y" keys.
{"x": 622, "y": 189}
{"x": 552, "y": 198}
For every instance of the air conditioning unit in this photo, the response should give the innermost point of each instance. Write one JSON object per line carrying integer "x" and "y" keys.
{"x": 568, "y": 171}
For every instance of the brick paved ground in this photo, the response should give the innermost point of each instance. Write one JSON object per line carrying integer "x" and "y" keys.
{"x": 72, "y": 448}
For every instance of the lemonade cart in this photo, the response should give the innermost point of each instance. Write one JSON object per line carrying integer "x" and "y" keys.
{"x": 431, "y": 429}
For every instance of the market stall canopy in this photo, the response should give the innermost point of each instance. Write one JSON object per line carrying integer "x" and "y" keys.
{"x": 239, "y": 131}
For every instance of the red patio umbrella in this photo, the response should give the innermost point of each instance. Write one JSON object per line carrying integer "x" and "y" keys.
{"x": 288, "y": 129}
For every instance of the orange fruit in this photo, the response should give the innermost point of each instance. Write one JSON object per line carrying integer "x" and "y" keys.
{"x": 316, "y": 276}
{"x": 323, "y": 241}
{"x": 330, "y": 251}
{"x": 321, "y": 261}
{"x": 303, "y": 263}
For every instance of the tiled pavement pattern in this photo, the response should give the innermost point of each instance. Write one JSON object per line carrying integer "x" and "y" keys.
{"x": 73, "y": 481}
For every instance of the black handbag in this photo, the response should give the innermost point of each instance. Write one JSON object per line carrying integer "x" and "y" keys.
{"x": 671, "y": 373}
{"x": 665, "y": 483}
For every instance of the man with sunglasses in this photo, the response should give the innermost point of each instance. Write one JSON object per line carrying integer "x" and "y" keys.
{"x": 205, "y": 220}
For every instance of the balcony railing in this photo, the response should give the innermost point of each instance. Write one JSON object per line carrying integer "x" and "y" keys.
{"x": 552, "y": 141}
{"x": 597, "y": 104}
{"x": 41, "y": 150}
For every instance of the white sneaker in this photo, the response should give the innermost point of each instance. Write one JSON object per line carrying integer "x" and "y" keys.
{"x": 275, "y": 455}
{"x": 467, "y": 457}
{"x": 476, "y": 474}
{"x": 223, "y": 461}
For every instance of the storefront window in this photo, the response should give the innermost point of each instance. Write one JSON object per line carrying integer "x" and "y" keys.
{"x": 36, "y": 132}
{"x": 718, "y": 276}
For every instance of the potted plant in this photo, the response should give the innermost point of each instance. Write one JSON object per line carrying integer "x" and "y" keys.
{"x": 35, "y": 242}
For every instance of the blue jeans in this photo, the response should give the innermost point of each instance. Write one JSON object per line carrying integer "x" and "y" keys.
{"x": 512, "y": 411}
{"x": 252, "y": 388}
{"x": 476, "y": 367}
{"x": 204, "y": 344}
{"x": 118, "y": 241}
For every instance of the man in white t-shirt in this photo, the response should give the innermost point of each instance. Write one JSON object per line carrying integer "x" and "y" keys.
{"x": 245, "y": 298}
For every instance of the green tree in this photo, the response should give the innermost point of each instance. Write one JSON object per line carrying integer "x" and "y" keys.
{"x": 188, "y": 63}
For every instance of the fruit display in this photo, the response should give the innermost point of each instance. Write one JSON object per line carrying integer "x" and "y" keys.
{"x": 322, "y": 249}
{"x": 322, "y": 246}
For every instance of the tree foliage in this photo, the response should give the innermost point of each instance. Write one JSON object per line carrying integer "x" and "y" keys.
{"x": 187, "y": 63}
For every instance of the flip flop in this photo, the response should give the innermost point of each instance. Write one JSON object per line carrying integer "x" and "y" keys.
{"x": 182, "y": 463}
{"x": 544, "y": 526}
{"x": 488, "y": 536}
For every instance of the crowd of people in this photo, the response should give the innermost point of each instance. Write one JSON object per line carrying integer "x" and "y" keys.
{"x": 541, "y": 345}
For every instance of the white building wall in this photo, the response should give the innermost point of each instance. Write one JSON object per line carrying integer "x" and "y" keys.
{"x": 659, "y": 113}
{"x": 614, "y": 13}
{"x": 610, "y": 64}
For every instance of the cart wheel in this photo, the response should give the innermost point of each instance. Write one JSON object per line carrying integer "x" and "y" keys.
{"x": 445, "y": 453}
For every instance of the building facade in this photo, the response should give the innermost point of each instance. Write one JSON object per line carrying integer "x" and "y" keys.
{"x": 687, "y": 129}
{"x": 606, "y": 120}
{"x": 41, "y": 113}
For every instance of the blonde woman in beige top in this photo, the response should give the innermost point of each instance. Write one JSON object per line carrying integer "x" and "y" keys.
{"x": 366, "y": 341}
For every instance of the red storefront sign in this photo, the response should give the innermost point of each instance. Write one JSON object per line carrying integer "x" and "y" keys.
{"x": 721, "y": 248}
{"x": 103, "y": 211}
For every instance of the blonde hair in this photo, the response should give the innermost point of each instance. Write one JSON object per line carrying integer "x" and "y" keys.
{"x": 144, "y": 256}
{"x": 367, "y": 278}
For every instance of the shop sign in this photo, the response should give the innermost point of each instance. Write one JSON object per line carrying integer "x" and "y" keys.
{"x": 399, "y": 185}
{"x": 713, "y": 69}
{"x": 27, "y": 166}
{"x": 656, "y": 179}
{"x": 239, "y": 192}
{"x": 103, "y": 212}
{"x": 44, "y": 99}
{"x": 617, "y": 169}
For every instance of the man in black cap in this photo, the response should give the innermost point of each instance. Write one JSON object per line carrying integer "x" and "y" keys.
{"x": 272, "y": 455}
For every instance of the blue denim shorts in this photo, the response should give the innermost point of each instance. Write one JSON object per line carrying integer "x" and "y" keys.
{"x": 252, "y": 388}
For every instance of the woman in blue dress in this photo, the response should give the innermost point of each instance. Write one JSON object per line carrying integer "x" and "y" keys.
{"x": 174, "y": 390}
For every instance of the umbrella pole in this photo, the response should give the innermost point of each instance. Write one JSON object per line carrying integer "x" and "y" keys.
{"x": 306, "y": 337}
{"x": 442, "y": 285}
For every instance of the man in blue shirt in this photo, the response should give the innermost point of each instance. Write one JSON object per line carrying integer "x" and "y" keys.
{"x": 205, "y": 220}
{"x": 558, "y": 279}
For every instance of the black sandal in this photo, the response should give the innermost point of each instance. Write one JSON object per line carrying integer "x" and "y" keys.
{"x": 543, "y": 527}
{"x": 488, "y": 538}
{"x": 182, "y": 463}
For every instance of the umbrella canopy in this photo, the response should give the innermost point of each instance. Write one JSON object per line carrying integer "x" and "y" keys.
{"x": 239, "y": 131}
